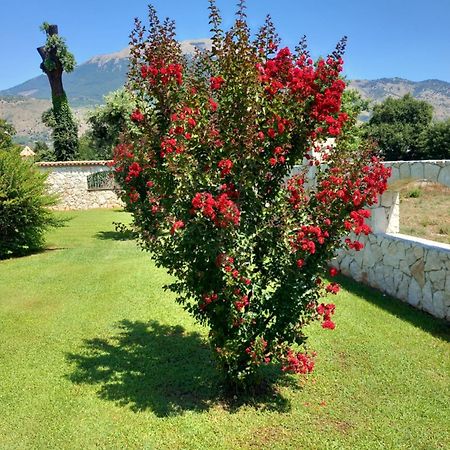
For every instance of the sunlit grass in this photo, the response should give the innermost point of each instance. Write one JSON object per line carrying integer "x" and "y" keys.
{"x": 95, "y": 354}
{"x": 425, "y": 211}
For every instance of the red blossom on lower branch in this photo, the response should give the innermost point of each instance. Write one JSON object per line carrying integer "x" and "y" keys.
{"x": 301, "y": 363}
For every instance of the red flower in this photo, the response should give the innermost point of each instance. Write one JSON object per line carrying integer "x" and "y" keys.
{"x": 176, "y": 226}
{"x": 216, "y": 82}
{"x": 137, "y": 116}
{"x": 212, "y": 104}
{"x": 328, "y": 324}
{"x": 225, "y": 165}
{"x": 333, "y": 271}
{"x": 271, "y": 133}
{"x": 333, "y": 288}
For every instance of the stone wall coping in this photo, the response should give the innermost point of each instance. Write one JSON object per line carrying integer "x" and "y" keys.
{"x": 432, "y": 245}
{"x": 72, "y": 163}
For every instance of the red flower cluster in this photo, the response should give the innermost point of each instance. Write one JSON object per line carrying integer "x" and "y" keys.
{"x": 216, "y": 82}
{"x": 221, "y": 209}
{"x": 307, "y": 237}
{"x": 356, "y": 222}
{"x": 207, "y": 299}
{"x": 296, "y": 190}
{"x": 155, "y": 73}
{"x": 355, "y": 245}
{"x": 326, "y": 311}
{"x": 133, "y": 171}
{"x": 333, "y": 288}
{"x": 137, "y": 116}
{"x": 225, "y": 166}
{"x": 176, "y": 226}
{"x": 123, "y": 153}
{"x": 297, "y": 362}
{"x": 304, "y": 81}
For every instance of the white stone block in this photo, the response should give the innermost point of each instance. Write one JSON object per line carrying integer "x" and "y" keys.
{"x": 431, "y": 171}
{"x": 414, "y": 293}
{"x": 417, "y": 170}
{"x": 444, "y": 175}
{"x": 439, "y": 308}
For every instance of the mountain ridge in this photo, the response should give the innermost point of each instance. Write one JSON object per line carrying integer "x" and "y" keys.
{"x": 91, "y": 80}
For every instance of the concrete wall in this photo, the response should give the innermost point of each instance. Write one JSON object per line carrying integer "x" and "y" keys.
{"x": 69, "y": 181}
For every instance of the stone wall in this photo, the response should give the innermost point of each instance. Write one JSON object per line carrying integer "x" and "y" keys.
{"x": 431, "y": 170}
{"x": 411, "y": 269}
{"x": 68, "y": 180}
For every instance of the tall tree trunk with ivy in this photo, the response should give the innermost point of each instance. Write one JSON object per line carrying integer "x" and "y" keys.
{"x": 56, "y": 59}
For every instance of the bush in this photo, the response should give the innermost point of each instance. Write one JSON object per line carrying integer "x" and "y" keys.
{"x": 207, "y": 176}
{"x": 24, "y": 214}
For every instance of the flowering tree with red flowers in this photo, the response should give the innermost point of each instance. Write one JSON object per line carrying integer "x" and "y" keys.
{"x": 207, "y": 174}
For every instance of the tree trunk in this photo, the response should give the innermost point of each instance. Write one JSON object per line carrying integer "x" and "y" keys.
{"x": 54, "y": 74}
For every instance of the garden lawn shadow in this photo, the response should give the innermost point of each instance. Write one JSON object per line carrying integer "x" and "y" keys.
{"x": 159, "y": 367}
{"x": 436, "y": 327}
{"x": 127, "y": 235}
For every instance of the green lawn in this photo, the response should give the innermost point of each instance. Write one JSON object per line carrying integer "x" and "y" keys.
{"x": 94, "y": 354}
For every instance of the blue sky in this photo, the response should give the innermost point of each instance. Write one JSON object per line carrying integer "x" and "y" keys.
{"x": 387, "y": 38}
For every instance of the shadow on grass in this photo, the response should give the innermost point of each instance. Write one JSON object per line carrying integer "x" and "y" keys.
{"x": 161, "y": 368}
{"x": 420, "y": 319}
{"x": 127, "y": 235}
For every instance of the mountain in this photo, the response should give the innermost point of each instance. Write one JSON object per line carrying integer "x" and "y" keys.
{"x": 93, "y": 79}
{"x": 86, "y": 86}
{"x": 436, "y": 92}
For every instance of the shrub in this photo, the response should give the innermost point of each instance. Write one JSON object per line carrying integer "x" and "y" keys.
{"x": 207, "y": 176}
{"x": 24, "y": 214}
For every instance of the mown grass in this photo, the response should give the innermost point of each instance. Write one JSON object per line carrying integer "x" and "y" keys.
{"x": 425, "y": 211}
{"x": 94, "y": 354}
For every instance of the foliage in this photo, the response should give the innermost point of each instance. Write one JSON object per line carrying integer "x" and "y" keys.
{"x": 108, "y": 122}
{"x": 56, "y": 59}
{"x": 435, "y": 141}
{"x": 7, "y": 131}
{"x": 55, "y": 46}
{"x": 207, "y": 178}
{"x": 64, "y": 128}
{"x": 43, "y": 152}
{"x": 24, "y": 213}
{"x": 86, "y": 149}
{"x": 396, "y": 125}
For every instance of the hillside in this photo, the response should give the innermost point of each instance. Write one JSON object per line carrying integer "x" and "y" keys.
{"x": 91, "y": 80}
{"x": 436, "y": 92}
{"x": 86, "y": 86}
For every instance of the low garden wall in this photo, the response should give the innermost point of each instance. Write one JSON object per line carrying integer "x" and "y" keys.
{"x": 411, "y": 269}
{"x": 69, "y": 180}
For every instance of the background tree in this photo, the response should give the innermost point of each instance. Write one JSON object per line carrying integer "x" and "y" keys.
{"x": 57, "y": 59}
{"x": 108, "y": 122}
{"x": 43, "y": 152}
{"x": 7, "y": 131}
{"x": 396, "y": 125}
{"x": 435, "y": 141}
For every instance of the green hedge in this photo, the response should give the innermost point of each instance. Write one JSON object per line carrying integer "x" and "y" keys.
{"x": 24, "y": 213}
